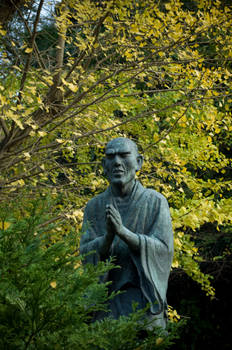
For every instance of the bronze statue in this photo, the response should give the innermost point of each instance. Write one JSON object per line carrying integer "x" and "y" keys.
{"x": 132, "y": 224}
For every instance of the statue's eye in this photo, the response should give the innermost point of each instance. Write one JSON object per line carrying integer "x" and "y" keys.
{"x": 124, "y": 155}
{"x": 110, "y": 156}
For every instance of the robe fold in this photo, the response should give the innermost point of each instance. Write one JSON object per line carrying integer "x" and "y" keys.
{"x": 145, "y": 213}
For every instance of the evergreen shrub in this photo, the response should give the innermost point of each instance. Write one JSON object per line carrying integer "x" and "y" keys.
{"x": 47, "y": 298}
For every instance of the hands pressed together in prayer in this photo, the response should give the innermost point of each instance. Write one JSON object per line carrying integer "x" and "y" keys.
{"x": 114, "y": 226}
{"x": 113, "y": 220}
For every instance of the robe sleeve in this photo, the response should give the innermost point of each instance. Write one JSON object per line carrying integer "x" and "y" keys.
{"x": 90, "y": 240}
{"x": 155, "y": 258}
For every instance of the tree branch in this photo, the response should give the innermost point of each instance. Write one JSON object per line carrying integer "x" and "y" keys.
{"x": 59, "y": 60}
{"x": 27, "y": 65}
{"x": 4, "y": 127}
{"x": 39, "y": 58}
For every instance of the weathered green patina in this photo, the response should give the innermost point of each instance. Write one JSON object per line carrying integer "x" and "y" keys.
{"x": 132, "y": 224}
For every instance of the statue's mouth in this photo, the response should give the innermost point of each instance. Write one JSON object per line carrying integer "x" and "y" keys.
{"x": 118, "y": 171}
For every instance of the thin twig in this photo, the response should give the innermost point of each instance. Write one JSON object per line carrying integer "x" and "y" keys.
{"x": 27, "y": 65}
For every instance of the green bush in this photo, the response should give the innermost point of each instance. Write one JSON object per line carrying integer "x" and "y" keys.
{"x": 47, "y": 299}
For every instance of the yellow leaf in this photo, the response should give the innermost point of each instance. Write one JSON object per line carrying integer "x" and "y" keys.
{"x": 78, "y": 214}
{"x": 128, "y": 55}
{"x": 184, "y": 119}
{"x": 168, "y": 7}
{"x": 53, "y": 284}
{"x": 2, "y": 32}
{"x": 175, "y": 263}
{"x": 39, "y": 99}
{"x": 155, "y": 137}
{"x": 18, "y": 183}
{"x": 11, "y": 115}
{"x": 159, "y": 341}
{"x": 29, "y": 50}
{"x": 4, "y": 225}
{"x": 42, "y": 133}
{"x": 21, "y": 182}
{"x": 16, "y": 67}
{"x": 27, "y": 155}
{"x": 76, "y": 266}
{"x": 72, "y": 87}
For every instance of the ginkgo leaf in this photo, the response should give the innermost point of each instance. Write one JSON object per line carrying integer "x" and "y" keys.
{"x": 53, "y": 284}
{"x": 29, "y": 50}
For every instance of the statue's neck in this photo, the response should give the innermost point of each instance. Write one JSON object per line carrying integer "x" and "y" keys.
{"x": 122, "y": 190}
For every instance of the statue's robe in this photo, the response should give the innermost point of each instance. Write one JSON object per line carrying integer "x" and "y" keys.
{"x": 143, "y": 275}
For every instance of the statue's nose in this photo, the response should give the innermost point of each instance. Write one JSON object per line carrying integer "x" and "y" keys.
{"x": 117, "y": 160}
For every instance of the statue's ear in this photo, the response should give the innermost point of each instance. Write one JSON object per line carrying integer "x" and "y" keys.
{"x": 139, "y": 162}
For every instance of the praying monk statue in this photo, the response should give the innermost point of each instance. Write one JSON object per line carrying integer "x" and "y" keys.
{"x": 132, "y": 224}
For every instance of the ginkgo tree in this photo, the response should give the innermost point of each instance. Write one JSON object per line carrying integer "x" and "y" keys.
{"x": 157, "y": 72}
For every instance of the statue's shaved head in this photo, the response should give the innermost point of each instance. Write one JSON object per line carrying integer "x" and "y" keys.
{"x": 122, "y": 140}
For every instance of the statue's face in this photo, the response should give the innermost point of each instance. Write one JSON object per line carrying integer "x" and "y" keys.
{"x": 121, "y": 161}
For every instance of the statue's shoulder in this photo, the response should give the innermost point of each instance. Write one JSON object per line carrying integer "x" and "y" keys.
{"x": 97, "y": 201}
